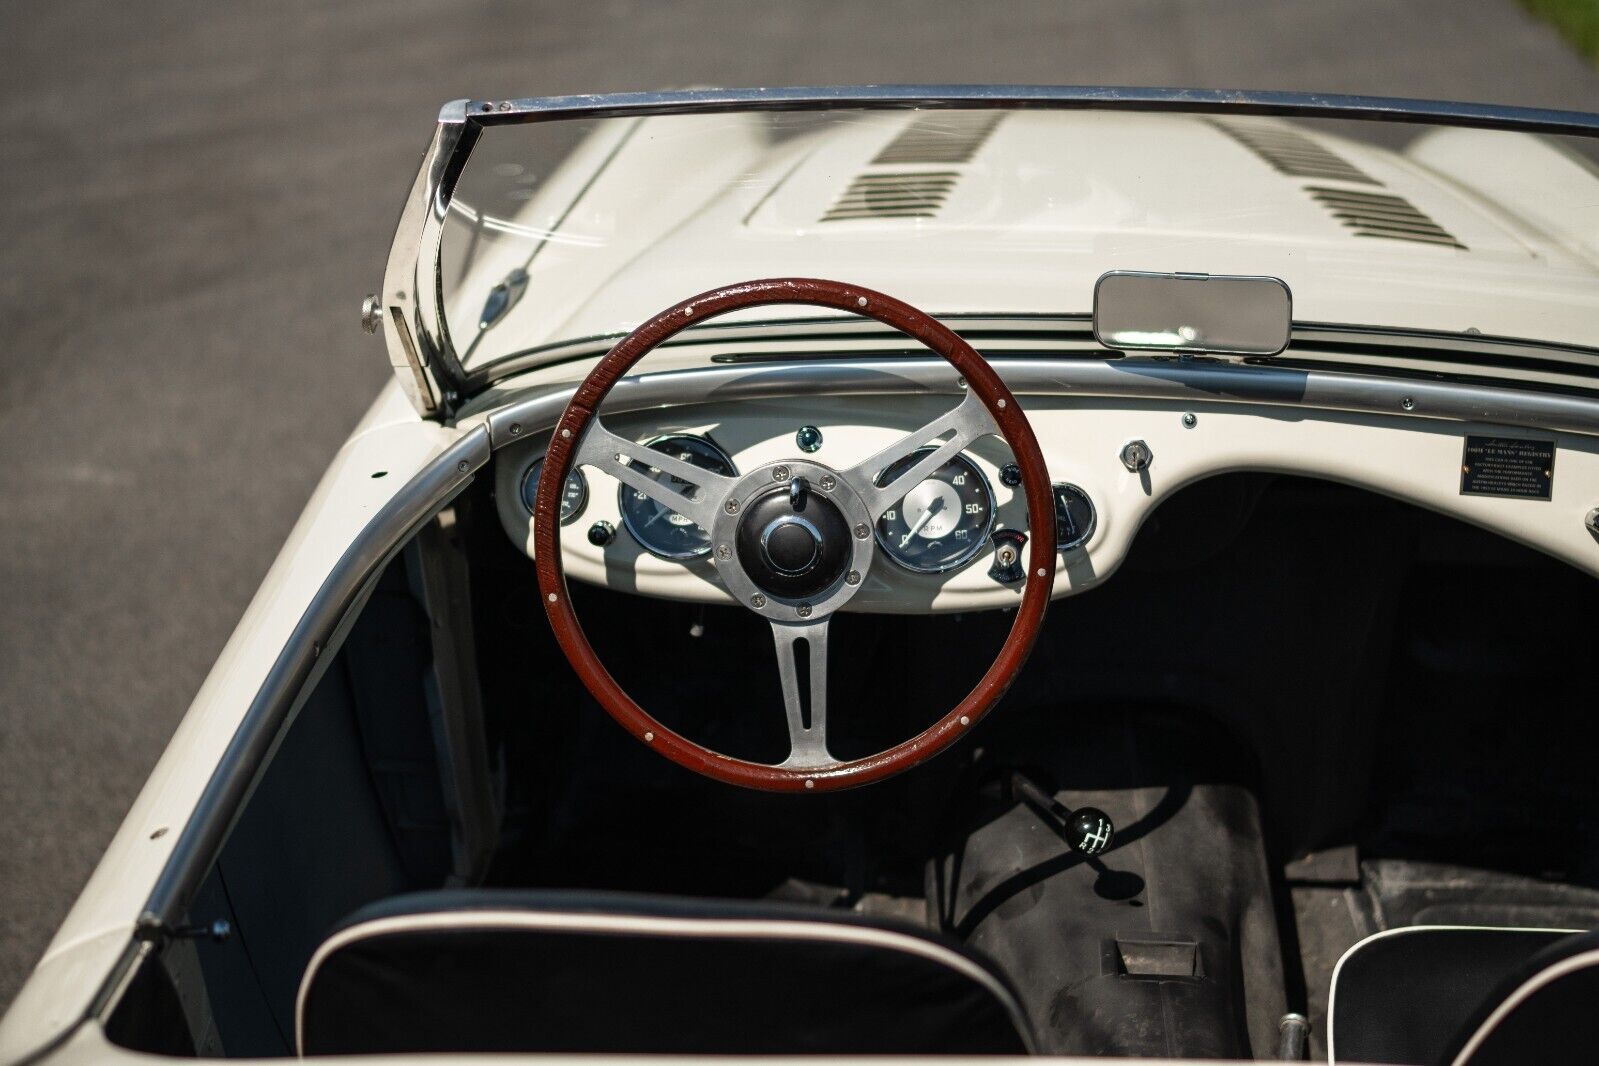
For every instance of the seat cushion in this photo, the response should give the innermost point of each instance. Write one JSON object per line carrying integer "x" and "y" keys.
{"x": 1547, "y": 1011}
{"x": 522, "y": 971}
{"x": 1403, "y": 996}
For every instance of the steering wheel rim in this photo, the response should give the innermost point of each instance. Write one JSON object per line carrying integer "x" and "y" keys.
{"x": 580, "y": 421}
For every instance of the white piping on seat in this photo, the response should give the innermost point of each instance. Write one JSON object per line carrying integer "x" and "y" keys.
{"x": 1332, "y": 991}
{"x": 1519, "y": 996}
{"x": 650, "y": 925}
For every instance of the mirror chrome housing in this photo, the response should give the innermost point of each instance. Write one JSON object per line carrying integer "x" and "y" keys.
{"x": 1219, "y": 314}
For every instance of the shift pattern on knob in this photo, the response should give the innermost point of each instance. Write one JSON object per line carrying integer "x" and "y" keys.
{"x": 1089, "y": 830}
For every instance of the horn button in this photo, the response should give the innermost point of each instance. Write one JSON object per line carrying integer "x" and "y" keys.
{"x": 793, "y": 543}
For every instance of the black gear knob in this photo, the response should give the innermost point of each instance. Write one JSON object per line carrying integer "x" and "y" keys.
{"x": 1089, "y": 830}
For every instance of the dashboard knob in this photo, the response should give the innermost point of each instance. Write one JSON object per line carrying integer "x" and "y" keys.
{"x": 601, "y": 533}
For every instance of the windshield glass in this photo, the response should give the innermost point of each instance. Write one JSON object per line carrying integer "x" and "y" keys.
{"x": 565, "y": 230}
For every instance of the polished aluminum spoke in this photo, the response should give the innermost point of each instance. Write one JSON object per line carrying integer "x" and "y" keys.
{"x": 807, "y": 733}
{"x": 950, "y": 434}
{"x": 693, "y": 492}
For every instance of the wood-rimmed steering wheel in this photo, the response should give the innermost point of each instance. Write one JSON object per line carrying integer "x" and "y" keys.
{"x": 792, "y": 540}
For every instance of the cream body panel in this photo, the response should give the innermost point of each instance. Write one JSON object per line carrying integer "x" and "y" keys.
{"x": 1412, "y": 459}
{"x": 101, "y": 922}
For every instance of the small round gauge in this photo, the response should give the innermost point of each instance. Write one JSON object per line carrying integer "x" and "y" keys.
{"x": 941, "y": 523}
{"x": 1074, "y": 516}
{"x": 661, "y": 530}
{"x": 573, "y": 496}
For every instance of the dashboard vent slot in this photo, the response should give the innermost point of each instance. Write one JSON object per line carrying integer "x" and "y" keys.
{"x": 900, "y": 195}
{"x": 1292, "y": 153}
{"x": 1372, "y": 214}
{"x": 939, "y": 137}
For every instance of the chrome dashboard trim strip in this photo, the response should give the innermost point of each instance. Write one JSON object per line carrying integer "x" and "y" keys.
{"x": 1185, "y": 381}
{"x": 1068, "y": 332}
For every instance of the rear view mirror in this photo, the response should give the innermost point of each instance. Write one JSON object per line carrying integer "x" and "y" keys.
{"x": 1224, "y": 314}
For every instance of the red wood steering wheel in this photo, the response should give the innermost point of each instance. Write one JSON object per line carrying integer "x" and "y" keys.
{"x": 793, "y": 540}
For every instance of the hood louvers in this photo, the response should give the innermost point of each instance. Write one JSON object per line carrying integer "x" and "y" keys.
{"x": 940, "y": 137}
{"x": 937, "y": 139}
{"x": 902, "y": 195}
{"x": 1368, "y": 214}
{"x": 1293, "y": 154}
{"x": 1372, "y": 214}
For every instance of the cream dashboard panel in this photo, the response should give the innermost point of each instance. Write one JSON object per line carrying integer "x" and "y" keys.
{"x": 1414, "y": 459}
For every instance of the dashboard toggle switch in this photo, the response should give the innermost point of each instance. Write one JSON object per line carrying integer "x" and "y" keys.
{"x": 1008, "y": 567}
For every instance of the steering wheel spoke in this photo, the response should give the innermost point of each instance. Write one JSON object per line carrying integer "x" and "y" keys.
{"x": 691, "y": 491}
{"x": 949, "y": 434}
{"x": 802, "y": 651}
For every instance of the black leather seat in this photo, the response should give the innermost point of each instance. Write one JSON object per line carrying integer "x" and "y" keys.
{"x": 1429, "y": 995}
{"x": 522, "y": 971}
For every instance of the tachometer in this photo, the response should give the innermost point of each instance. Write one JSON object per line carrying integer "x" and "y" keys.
{"x": 574, "y": 494}
{"x": 662, "y": 531}
{"x": 943, "y": 522}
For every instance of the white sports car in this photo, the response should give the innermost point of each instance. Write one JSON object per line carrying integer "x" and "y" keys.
{"x": 662, "y": 665}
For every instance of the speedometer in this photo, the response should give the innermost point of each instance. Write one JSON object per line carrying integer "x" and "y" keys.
{"x": 659, "y": 529}
{"x": 942, "y": 522}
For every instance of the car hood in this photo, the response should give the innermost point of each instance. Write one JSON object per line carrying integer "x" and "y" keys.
{"x": 1002, "y": 213}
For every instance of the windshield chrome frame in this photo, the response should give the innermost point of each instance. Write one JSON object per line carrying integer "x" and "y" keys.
{"x": 425, "y": 360}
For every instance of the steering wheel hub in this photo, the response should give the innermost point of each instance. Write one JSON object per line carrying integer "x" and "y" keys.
{"x": 793, "y": 544}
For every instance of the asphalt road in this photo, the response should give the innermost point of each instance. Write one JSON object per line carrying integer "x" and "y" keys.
{"x": 198, "y": 194}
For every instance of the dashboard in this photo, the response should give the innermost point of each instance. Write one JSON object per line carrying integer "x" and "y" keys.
{"x": 956, "y": 541}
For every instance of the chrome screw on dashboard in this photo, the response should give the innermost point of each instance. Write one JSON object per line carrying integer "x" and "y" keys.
{"x": 1592, "y": 521}
{"x": 828, "y": 482}
{"x": 757, "y": 601}
{"x": 852, "y": 578}
{"x": 862, "y": 531}
{"x": 1190, "y": 420}
{"x": 808, "y": 439}
{"x": 780, "y": 473}
{"x": 1136, "y": 456}
{"x": 731, "y": 507}
{"x": 803, "y": 610}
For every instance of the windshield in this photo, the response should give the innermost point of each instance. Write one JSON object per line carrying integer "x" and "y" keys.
{"x": 565, "y": 230}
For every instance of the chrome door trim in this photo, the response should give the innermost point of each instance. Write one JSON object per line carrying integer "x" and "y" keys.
{"x": 316, "y": 636}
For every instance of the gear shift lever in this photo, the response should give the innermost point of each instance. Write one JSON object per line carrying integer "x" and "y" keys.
{"x": 1087, "y": 829}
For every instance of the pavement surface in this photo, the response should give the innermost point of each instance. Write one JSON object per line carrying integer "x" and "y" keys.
{"x": 198, "y": 194}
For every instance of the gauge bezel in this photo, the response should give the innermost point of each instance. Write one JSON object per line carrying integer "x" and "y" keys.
{"x": 627, "y": 521}
{"x": 979, "y": 543}
{"x": 522, "y": 494}
{"x": 1093, "y": 517}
